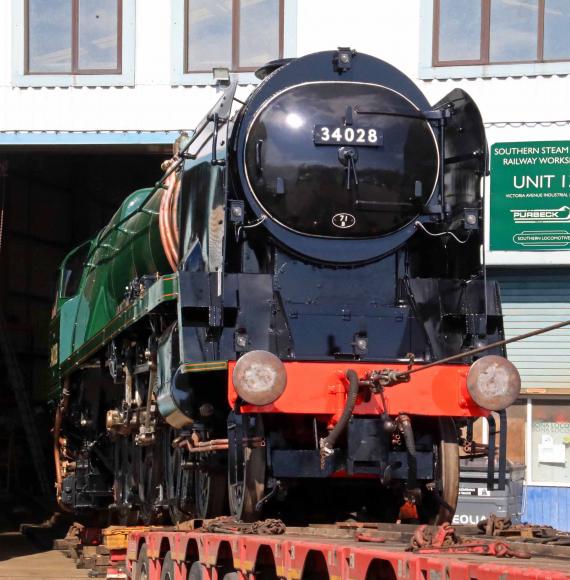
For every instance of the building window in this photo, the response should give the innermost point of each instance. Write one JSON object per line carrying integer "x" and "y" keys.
{"x": 484, "y": 32}
{"x": 241, "y": 35}
{"x": 73, "y": 37}
{"x": 550, "y": 442}
{"x": 73, "y": 43}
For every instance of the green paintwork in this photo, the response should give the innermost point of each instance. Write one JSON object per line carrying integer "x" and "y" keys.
{"x": 127, "y": 248}
{"x": 201, "y": 367}
{"x": 165, "y": 289}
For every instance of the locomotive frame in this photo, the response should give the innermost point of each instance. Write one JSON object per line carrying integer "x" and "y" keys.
{"x": 208, "y": 352}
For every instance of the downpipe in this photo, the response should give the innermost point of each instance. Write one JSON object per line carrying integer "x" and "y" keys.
{"x": 327, "y": 443}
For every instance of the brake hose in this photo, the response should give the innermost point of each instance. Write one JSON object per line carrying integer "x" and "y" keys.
{"x": 327, "y": 443}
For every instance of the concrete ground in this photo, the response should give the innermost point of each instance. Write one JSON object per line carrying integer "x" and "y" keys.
{"x": 30, "y": 556}
{"x": 20, "y": 558}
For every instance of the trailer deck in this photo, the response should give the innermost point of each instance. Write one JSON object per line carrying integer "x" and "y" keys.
{"x": 223, "y": 549}
{"x": 296, "y": 555}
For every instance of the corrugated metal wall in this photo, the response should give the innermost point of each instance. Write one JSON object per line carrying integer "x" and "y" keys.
{"x": 534, "y": 299}
{"x": 547, "y": 506}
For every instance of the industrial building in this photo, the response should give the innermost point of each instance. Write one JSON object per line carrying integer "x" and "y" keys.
{"x": 92, "y": 97}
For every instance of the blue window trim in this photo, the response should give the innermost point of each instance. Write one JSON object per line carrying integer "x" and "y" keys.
{"x": 429, "y": 72}
{"x": 179, "y": 77}
{"x": 126, "y": 78}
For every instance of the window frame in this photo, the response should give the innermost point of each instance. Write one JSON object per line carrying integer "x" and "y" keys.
{"x": 75, "y": 70}
{"x": 529, "y": 451}
{"x": 527, "y": 400}
{"x": 236, "y": 35}
{"x": 430, "y": 68}
{"x": 124, "y": 75}
{"x": 181, "y": 76}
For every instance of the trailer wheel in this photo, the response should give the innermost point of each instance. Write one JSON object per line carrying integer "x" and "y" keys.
{"x": 197, "y": 572}
{"x": 167, "y": 572}
{"x": 143, "y": 565}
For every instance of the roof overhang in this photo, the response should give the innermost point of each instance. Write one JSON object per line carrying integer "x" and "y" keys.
{"x": 84, "y": 141}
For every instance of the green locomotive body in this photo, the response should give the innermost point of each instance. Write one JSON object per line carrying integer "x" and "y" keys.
{"x": 127, "y": 249}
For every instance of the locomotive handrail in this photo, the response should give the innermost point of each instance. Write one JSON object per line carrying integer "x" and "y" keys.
{"x": 481, "y": 349}
{"x": 421, "y": 116}
{"x": 177, "y": 161}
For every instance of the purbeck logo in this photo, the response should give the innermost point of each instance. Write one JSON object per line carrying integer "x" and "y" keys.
{"x": 541, "y": 216}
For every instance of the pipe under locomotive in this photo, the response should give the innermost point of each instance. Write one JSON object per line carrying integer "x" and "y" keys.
{"x": 239, "y": 336}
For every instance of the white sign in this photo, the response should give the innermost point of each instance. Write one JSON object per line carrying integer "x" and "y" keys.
{"x": 550, "y": 452}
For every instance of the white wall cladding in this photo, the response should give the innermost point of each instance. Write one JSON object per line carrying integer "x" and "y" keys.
{"x": 152, "y": 104}
{"x": 532, "y": 301}
{"x": 392, "y": 31}
{"x": 389, "y": 30}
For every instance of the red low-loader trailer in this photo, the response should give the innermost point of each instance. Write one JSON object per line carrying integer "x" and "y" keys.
{"x": 346, "y": 551}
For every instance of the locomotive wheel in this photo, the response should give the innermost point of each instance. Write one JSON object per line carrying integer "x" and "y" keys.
{"x": 125, "y": 513}
{"x": 151, "y": 482}
{"x": 210, "y": 491}
{"x": 438, "y": 505}
{"x": 179, "y": 482}
{"x": 246, "y": 466}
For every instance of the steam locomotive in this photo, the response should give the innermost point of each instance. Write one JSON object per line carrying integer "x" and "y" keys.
{"x": 263, "y": 327}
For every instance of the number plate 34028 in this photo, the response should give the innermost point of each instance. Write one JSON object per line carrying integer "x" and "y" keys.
{"x": 336, "y": 135}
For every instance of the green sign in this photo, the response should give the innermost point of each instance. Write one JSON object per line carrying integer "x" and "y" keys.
{"x": 530, "y": 196}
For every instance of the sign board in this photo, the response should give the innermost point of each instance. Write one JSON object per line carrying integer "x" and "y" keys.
{"x": 530, "y": 197}
{"x": 550, "y": 452}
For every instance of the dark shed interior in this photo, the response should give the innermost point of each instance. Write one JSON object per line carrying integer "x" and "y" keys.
{"x": 51, "y": 199}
